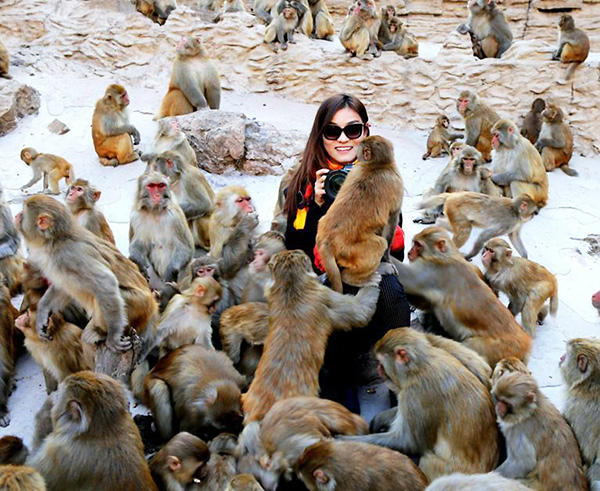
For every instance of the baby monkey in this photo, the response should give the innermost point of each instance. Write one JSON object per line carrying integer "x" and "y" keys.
{"x": 51, "y": 167}
{"x": 282, "y": 27}
{"x": 440, "y": 138}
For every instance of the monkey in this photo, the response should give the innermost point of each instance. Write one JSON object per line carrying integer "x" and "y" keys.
{"x": 516, "y": 165}
{"x": 169, "y": 136}
{"x": 490, "y": 33}
{"x": 62, "y": 353}
{"x": 20, "y": 478}
{"x": 491, "y": 481}
{"x": 596, "y": 301}
{"x": 479, "y": 119}
{"x": 111, "y": 130}
{"x": 387, "y": 13}
{"x": 230, "y": 6}
{"x": 555, "y": 142}
{"x": 508, "y": 365}
{"x": 11, "y": 262}
{"x": 262, "y": 10}
{"x": 453, "y": 433}
{"x": 244, "y": 482}
{"x": 497, "y": 216}
{"x": 93, "y": 432}
{"x": 304, "y": 14}
{"x": 358, "y": 243}
{"x": 360, "y": 29}
{"x": 541, "y": 448}
{"x": 440, "y": 138}
{"x": 12, "y": 451}
{"x": 322, "y": 20}
{"x": 192, "y": 190}
{"x": 8, "y": 351}
{"x": 272, "y": 449}
{"x": 81, "y": 202}
{"x": 439, "y": 274}
{"x": 194, "y": 389}
{"x": 403, "y": 42}
{"x": 455, "y": 149}
{"x": 159, "y": 237}
{"x": 4, "y": 62}
{"x": 90, "y": 271}
{"x": 302, "y": 314}
{"x": 182, "y": 462}
{"x": 157, "y": 11}
{"x": 283, "y": 25}
{"x": 214, "y": 5}
{"x": 527, "y": 284}
{"x": 195, "y": 82}
{"x": 573, "y": 44}
{"x": 580, "y": 367}
{"x": 186, "y": 319}
{"x": 267, "y": 245}
{"x": 222, "y": 466}
{"x": 532, "y": 124}
{"x": 51, "y": 167}
{"x": 339, "y": 466}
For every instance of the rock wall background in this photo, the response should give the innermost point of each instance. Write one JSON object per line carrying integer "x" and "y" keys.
{"x": 109, "y": 38}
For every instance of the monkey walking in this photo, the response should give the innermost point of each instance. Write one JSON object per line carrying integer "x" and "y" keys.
{"x": 51, "y": 167}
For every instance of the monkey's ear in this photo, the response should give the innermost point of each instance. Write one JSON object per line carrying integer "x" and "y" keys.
{"x": 510, "y": 129}
{"x": 96, "y": 195}
{"x": 582, "y": 363}
{"x": 440, "y": 245}
{"x": 44, "y": 221}
{"x": 174, "y": 463}
{"x": 321, "y": 477}
{"x": 402, "y": 356}
{"x": 509, "y": 253}
{"x": 201, "y": 290}
{"x": 531, "y": 397}
{"x": 75, "y": 416}
{"x": 208, "y": 397}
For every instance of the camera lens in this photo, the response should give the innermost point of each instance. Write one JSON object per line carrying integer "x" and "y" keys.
{"x": 334, "y": 181}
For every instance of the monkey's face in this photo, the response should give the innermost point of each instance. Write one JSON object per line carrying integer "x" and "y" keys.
{"x": 455, "y": 148}
{"x": 22, "y": 322}
{"x": 290, "y": 13}
{"x": 552, "y": 115}
{"x": 488, "y": 256}
{"x": 204, "y": 271}
{"x": 462, "y": 105}
{"x": 156, "y": 192}
{"x": 596, "y": 300}
{"x": 468, "y": 165}
{"x": 393, "y": 27}
{"x": 244, "y": 203}
{"x": 415, "y": 250}
{"x": 503, "y": 134}
{"x": 261, "y": 258}
{"x": 188, "y": 46}
{"x": 74, "y": 194}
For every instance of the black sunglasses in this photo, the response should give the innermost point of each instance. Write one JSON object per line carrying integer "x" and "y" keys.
{"x": 352, "y": 131}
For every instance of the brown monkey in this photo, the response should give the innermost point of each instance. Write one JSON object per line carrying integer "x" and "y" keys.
{"x": 573, "y": 44}
{"x": 532, "y": 124}
{"x": 169, "y": 137}
{"x": 186, "y": 319}
{"x": 192, "y": 190}
{"x": 267, "y": 245}
{"x": 339, "y": 466}
{"x": 272, "y": 450}
{"x": 476, "y": 482}
{"x": 11, "y": 263}
{"x": 281, "y": 28}
{"x": 233, "y": 6}
{"x": 455, "y": 432}
{"x": 20, "y": 478}
{"x": 440, "y": 138}
{"x": 527, "y": 284}
{"x": 157, "y": 11}
{"x": 403, "y": 42}
{"x": 214, "y": 5}
{"x": 439, "y": 274}
{"x": 111, "y": 130}
{"x": 360, "y": 29}
{"x": 244, "y": 482}
{"x": 81, "y": 202}
{"x": 4, "y": 61}
{"x": 51, "y": 167}
{"x": 302, "y": 314}
{"x": 555, "y": 142}
{"x": 490, "y": 33}
{"x": 358, "y": 243}
{"x": 8, "y": 351}
{"x": 516, "y": 165}
{"x": 580, "y": 367}
{"x": 222, "y": 466}
{"x": 479, "y": 119}
{"x": 194, "y": 389}
{"x": 304, "y": 13}
{"x": 12, "y": 451}
{"x": 497, "y": 216}
{"x": 541, "y": 448}
{"x": 62, "y": 353}
{"x": 182, "y": 462}
{"x": 88, "y": 270}
{"x": 596, "y": 301}
{"x": 323, "y": 22}
{"x": 508, "y": 365}
{"x": 387, "y": 13}
{"x": 195, "y": 82}
{"x": 93, "y": 432}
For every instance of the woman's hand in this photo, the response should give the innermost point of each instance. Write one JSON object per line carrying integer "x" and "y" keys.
{"x": 320, "y": 186}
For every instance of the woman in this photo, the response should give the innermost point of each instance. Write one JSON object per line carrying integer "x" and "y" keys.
{"x": 349, "y": 374}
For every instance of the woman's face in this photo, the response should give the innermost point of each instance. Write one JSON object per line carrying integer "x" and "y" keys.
{"x": 343, "y": 150}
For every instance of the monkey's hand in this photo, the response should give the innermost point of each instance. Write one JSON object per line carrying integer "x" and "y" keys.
{"x": 387, "y": 268}
{"x": 135, "y": 134}
{"x": 41, "y": 323}
{"x": 556, "y": 55}
{"x": 118, "y": 343}
{"x": 501, "y": 179}
{"x": 463, "y": 29}
{"x": 375, "y": 278}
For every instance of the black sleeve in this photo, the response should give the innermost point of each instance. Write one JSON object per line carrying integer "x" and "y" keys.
{"x": 305, "y": 238}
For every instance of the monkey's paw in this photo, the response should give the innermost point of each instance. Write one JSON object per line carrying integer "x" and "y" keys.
{"x": 4, "y": 420}
{"x": 122, "y": 343}
{"x": 424, "y": 220}
{"x": 90, "y": 335}
{"x": 387, "y": 268}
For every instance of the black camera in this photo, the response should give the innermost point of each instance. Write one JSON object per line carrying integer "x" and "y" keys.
{"x": 334, "y": 180}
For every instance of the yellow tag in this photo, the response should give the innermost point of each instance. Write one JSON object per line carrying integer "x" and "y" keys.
{"x": 300, "y": 221}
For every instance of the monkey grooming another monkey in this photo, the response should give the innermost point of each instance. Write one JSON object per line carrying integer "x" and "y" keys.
{"x": 440, "y": 138}
{"x": 352, "y": 245}
{"x": 282, "y": 26}
{"x": 532, "y": 124}
{"x": 111, "y": 130}
{"x": 541, "y": 448}
{"x": 403, "y": 42}
{"x": 360, "y": 29}
{"x": 195, "y": 83}
{"x": 438, "y": 274}
{"x": 573, "y": 44}
{"x": 4, "y": 61}
{"x": 555, "y": 142}
{"x": 51, "y": 167}
{"x": 497, "y": 216}
{"x": 454, "y": 429}
{"x": 580, "y": 367}
{"x": 490, "y": 33}
{"x": 341, "y": 466}
{"x": 302, "y": 315}
{"x": 508, "y": 365}
{"x": 479, "y": 119}
{"x": 81, "y": 202}
{"x": 527, "y": 284}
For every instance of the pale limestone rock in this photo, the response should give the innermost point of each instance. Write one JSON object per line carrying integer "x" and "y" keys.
{"x": 16, "y": 101}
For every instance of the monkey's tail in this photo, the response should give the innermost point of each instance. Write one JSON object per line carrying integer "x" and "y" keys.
{"x": 554, "y": 302}
{"x": 426, "y": 155}
{"x": 331, "y": 267}
{"x": 571, "y": 69}
{"x": 568, "y": 171}
{"x": 433, "y": 202}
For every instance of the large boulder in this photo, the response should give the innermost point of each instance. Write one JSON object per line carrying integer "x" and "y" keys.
{"x": 16, "y": 101}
